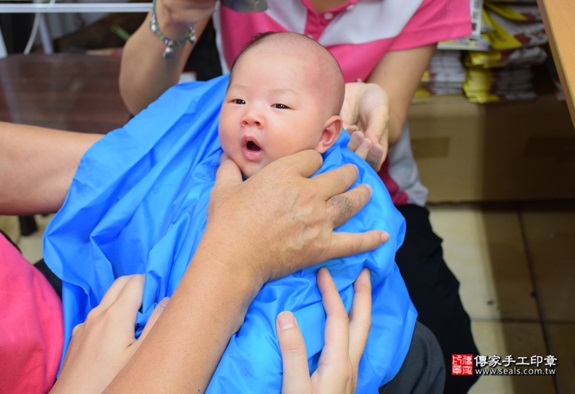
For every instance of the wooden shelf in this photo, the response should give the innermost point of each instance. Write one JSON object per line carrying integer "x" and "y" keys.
{"x": 559, "y": 20}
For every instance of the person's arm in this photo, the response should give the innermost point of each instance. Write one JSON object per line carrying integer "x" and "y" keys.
{"x": 144, "y": 73}
{"x": 273, "y": 224}
{"x": 102, "y": 345}
{"x": 37, "y": 166}
{"x": 399, "y": 74}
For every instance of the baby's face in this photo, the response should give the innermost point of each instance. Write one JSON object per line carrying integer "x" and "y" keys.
{"x": 272, "y": 108}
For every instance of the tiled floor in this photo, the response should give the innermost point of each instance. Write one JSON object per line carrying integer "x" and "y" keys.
{"x": 516, "y": 265}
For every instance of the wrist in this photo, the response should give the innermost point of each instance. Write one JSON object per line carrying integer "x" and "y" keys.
{"x": 234, "y": 290}
{"x": 230, "y": 264}
{"x": 172, "y": 42}
{"x": 169, "y": 21}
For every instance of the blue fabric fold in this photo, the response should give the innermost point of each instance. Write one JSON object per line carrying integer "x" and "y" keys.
{"x": 138, "y": 204}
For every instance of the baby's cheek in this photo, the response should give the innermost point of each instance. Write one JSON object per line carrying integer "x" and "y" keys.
{"x": 226, "y": 142}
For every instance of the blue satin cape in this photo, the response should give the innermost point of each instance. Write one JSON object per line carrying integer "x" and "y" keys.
{"x": 138, "y": 203}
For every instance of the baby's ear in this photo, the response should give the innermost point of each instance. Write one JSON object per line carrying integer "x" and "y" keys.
{"x": 330, "y": 133}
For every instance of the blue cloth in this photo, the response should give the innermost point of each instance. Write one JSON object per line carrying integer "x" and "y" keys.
{"x": 138, "y": 204}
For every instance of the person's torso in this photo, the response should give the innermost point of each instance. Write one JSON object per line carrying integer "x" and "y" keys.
{"x": 358, "y": 33}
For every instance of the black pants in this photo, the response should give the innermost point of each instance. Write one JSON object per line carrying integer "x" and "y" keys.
{"x": 423, "y": 370}
{"x": 434, "y": 291}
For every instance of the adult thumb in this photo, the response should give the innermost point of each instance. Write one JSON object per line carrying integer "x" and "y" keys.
{"x": 228, "y": 173}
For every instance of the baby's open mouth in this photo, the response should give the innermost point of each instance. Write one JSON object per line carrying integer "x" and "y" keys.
{"x": 253, "y": 146}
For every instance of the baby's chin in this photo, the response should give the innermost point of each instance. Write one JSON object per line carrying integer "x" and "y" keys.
{"x": 250, "y": 170}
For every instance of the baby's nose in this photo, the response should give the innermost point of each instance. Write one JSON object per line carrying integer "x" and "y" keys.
{"x": 252, "y": 118}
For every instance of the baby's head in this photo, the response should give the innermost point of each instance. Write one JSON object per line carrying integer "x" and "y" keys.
{"x": 285, "y": 95}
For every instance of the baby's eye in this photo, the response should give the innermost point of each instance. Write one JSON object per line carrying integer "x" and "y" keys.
{"x": 238, "y": 101}
{"x": 280, "y": 106}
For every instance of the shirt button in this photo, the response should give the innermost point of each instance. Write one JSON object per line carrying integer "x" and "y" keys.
{"x": 350, "y": 7}
{"x": 328, "y": 16}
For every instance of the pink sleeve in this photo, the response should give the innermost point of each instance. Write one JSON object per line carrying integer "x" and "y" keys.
{"x": 434, "y": 21}
{"x": 31, "y": 326}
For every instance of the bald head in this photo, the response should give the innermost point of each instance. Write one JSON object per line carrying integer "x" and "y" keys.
{"x": 324, "y": 72}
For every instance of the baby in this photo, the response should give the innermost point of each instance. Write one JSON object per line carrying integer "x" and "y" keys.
{"x": 138, "y": 204}
{"x": 285, "y": 95}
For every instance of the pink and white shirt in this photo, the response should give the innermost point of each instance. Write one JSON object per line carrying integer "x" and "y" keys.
{"x": 358, "y": 33}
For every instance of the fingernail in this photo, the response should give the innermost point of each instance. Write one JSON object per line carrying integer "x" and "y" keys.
{"x": 370, "y": 189}
{"x": 356, "y": 136}
{"x": 366, "y": 144}
{"x": 164, "y": 302}
{"x": 384, "y": 236}
{"x": 286, "y": 320}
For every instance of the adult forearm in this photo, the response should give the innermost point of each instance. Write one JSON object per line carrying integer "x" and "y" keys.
{"x": 184, "y": 347}
{"x": 399, "y": 74}
{"x": 396, "y": 122}
{"x": 269, "y": 226}
{"x": 37, "y": 166}
{"x": 245, "y": 245}
{"x": 144, "y": 73}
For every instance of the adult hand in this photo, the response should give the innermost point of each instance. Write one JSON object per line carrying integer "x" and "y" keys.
{"x": 101, "y": 346}
{"x": 365, "y": 115}
{"x": 345, "y": 340}
{"x": 280, "y": 221}
{"x": 176, "y": 16}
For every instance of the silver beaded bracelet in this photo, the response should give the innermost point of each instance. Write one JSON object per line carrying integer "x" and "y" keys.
{"x": 170, "y": 44}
